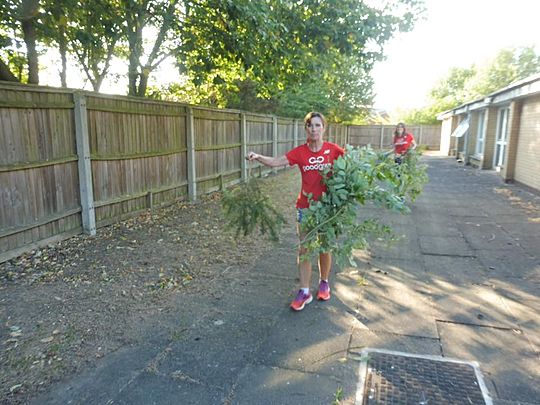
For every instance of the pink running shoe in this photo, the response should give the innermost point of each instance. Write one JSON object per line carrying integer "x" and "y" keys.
{"x": 301, "y": 300}
{"x": 324, "y": 291}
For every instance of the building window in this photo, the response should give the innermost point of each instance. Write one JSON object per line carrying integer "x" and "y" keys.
{"x": 480, "y": 134}
{"x": 461, "y": 128}
{"x": 502, "y": 136}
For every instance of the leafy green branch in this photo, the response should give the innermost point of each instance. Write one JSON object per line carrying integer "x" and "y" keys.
{"x": 361, "y": 176}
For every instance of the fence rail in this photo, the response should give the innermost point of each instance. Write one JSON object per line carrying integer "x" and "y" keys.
{"x": 73, "y": 161}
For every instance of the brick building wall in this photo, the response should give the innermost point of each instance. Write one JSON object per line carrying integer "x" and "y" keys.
{"x": 527, "y": 165}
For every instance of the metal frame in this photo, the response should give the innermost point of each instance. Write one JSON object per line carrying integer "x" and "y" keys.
{"x": 362, "y": 371}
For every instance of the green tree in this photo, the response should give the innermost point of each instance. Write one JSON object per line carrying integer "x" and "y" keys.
{"x": 19, "y": 25}
{"x": 287, "y": 51}
{"x": 158, "y": 17}
{"x": 466, "y": 84}
{"x": 508, "y": 66}
{"x": 90, "y": 30}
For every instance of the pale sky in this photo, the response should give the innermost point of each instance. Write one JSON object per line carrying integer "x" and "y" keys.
{"x": 455, "y": 33}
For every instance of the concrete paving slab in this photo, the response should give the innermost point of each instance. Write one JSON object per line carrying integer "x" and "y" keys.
{"x": 442, "y": 209}
{"x": 445, "y": 245}
{"x": 104, "y": 383}
{"x": 214, "y": 353}
{"x": 439, "y": 219}
{"x": 266, "y": 385}
{"x": 487, "y": 237}
{"x": 404, "y": 248}
{"x": 288, "y": 345}
{"x": 256, "y": 294}
{"x": 515, "y": 217}
{"x": 531, "y": 244}
{"x": 396, "y": 220}
{"x": 503, "y": 264}
{"x": 454, "y": 270}
{"x": 522, "y": 229}
{"x": 473, "y": 304}
{"x": 348, "y": 285}
{"x": 445, "y": 229}
{"x": 407, "y": 272}
{"x": 470, "y": 220}
{"x": 523, "y": 302}
{"x": 154, "y": 389}
{"x": 362, "y": 338}
{"x": 470, "y": 211}
{"x": 390, "y": 305}
{"x": 116, "y": 371}
{"x": 505, "y": 358}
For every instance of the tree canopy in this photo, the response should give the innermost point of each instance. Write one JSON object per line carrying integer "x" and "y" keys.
{"x": 275, "y": 56}
{"x": 466, "y": 84}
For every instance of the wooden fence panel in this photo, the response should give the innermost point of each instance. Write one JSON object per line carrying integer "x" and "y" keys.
{"x": 337, "y": 133}
{"x": 217, "y": 149}
{"x": 430, "y": 136}
{"x": 138, "y": 151}
{"x": 361, "y": 135}
{"x": 285, "y": 140}
{"x": 38, "y": 167}
{"x": 259, "y": 140}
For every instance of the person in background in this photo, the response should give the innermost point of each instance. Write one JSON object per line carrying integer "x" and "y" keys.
{"x": 312, "y": 158}
{"x": 403, "y": 142}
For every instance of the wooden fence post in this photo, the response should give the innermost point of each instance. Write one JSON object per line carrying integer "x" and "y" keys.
{"x": 274, "y": 139}
{"x": 420, "y": 135}
{"x": 243, "y": 147}
{"x": 381, "y": 143}
{"x": 191, "y": 171}
{"x": 295, "y": 133}
{"x": 85, "y": 166}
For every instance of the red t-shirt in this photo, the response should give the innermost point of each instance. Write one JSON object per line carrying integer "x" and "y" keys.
{"x": 311, "y": 165}
{"x": 401, "y": 145}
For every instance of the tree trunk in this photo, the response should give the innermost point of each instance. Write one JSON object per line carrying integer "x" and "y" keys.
{"x": 98, "y": 83}
{"x": 135, "y": 53}
{"x": 63, "y": 52}
{"x": 133, "y": 73}
{"x": 5, "y": 73}
{"x": 143, "y": 84}
{"x": 28, "y": 12}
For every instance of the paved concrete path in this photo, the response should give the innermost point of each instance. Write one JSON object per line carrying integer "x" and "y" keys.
{"x": 464, "y": 282}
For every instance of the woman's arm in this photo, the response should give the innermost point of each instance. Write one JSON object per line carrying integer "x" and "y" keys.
{"x": 413, "y": 143}
{"x": 268, "y": 160}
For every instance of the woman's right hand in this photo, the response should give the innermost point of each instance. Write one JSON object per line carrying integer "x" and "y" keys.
{"x": 252, "y": 156}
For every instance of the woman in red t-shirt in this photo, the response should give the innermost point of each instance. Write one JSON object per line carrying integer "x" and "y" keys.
{"x": 403, "y": 141}
{"x": 312, "y": 158}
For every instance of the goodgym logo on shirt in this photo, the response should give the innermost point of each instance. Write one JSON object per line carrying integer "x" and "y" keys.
{"x": 317, "y": 163}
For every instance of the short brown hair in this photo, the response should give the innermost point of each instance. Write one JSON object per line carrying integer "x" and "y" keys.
{"x": 312, "y": 114}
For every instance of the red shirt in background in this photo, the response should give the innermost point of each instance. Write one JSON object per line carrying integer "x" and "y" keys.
{"x": 402, "y": 144}
{"x": 311, "y": 165}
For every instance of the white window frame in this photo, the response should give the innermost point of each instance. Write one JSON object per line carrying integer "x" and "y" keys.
{"x": 501, "y": 138}
{"x": 480, "y": 134}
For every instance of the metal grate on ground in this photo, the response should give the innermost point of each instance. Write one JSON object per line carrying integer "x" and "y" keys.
{"x": 388, "y": 377}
